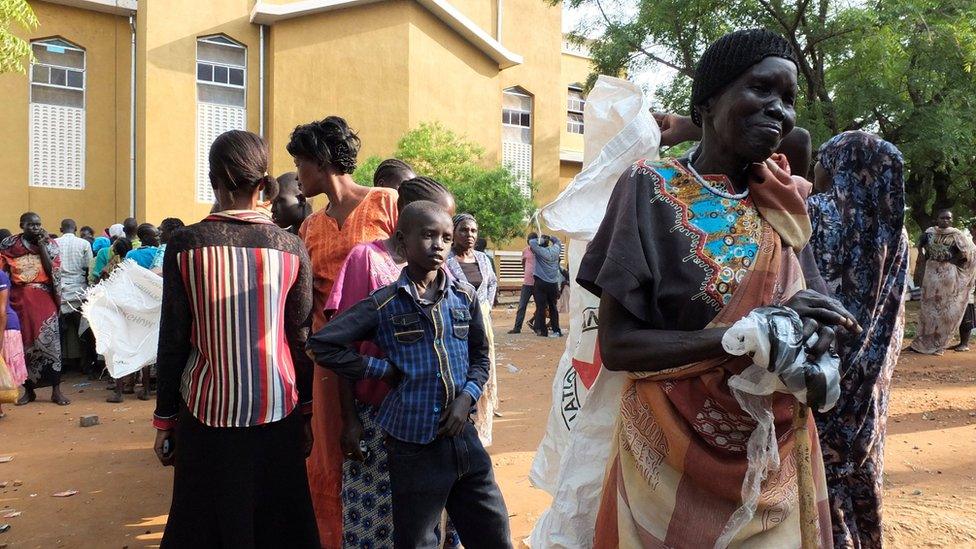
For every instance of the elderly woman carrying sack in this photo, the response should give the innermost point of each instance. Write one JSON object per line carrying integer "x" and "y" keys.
{"x": 687, "y": 248}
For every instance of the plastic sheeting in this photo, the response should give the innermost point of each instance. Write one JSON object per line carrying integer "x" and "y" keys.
{"x": 619, "y": 130}
{"x": 123, "y": 313}
{"x": 772, "y": 336}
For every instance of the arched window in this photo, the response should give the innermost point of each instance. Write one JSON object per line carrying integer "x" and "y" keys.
{"x": 517, "y": 135}
{"x": 221, "y": 99}
{"x": 574, "y": 109}
{"x": 57, "y": 115}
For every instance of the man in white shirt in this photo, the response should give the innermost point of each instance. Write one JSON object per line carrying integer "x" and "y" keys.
{"x": 76, "y": 257}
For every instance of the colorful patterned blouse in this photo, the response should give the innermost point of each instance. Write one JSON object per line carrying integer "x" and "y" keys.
{"x": 679, "y": 249}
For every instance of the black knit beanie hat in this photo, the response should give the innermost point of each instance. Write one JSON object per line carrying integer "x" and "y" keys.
{"x": 730, "y": 56}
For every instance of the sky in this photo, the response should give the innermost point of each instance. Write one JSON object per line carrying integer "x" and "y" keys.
{"x": 649, "y": 78}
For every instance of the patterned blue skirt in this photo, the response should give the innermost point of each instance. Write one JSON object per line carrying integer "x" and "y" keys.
{"x": 366, "y": 496}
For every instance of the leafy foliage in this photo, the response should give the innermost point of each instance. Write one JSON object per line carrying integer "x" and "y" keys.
{"x": 12, "y": 48}
{"x": 364, "y": 172}
{"x": 901, "y": 68}
{"x": 487, "y": 192}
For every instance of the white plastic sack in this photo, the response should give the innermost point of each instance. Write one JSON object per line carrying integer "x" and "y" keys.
{"x": 570, "y": 461}
{"x": 123, "y": 312}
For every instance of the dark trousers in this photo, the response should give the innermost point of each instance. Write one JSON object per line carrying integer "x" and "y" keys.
{"x": 967, "y": 325}
{"x": 526, "y": 294}
{"x": 77, "y": 349}
{"x": 546, "y": 297}
{"x": 452, "y": 473}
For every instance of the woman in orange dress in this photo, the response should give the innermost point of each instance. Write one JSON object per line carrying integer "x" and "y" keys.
{"x": 325, "y": 157}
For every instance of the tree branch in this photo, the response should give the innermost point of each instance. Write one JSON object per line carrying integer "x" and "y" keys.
{"x": 614, "y": 28}
{"x": 775, "y": 14}
{"x": 829, "y": 36}
{"x": 800, "y": 9}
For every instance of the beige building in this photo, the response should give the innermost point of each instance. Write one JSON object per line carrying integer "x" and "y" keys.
{"x": 123, "y": 98}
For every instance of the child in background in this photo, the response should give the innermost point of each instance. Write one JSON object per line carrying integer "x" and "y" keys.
{"x": 430, "y": 329}
{"x": 11, "y": 344}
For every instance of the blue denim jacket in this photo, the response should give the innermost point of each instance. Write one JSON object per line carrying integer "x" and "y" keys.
{"x": 441, "y": 350}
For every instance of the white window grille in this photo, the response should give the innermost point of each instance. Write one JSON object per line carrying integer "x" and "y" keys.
{"x": 517, "y": 136}
{"x": 574, "y": 110}
{"x": 57, "y": 115}
{"x": 212, "y": 120}
{"x": 574, "y": 47}
{"x": 221, "y": 100}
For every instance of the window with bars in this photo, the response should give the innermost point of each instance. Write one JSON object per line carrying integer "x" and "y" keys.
{"x": 517, "y": 136}
{"x": 221, "y": 100}
{"x": 57, "y": 115}
{"x": 574, "y": 110}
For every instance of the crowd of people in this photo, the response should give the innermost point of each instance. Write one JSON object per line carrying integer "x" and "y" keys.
{"x": 45, "y": 279}
{"x": 327, "y": 378}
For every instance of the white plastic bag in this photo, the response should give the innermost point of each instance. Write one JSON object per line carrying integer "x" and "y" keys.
{"x": 123, "y": 313}
{"x": 570, "y": 461}
{"x": 772, "y": 336}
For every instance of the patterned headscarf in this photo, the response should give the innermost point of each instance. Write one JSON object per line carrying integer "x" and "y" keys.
{"x": 462, "y": 217}
{"x": 863, "y": 253}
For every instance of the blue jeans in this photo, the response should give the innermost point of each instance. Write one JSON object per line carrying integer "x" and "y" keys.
{"x": 453, "y": 473}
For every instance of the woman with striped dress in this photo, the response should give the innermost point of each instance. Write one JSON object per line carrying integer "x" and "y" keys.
{"x": 235, "y": 384}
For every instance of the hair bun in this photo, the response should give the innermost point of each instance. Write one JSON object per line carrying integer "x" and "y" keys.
{"x": 271, "y": 186}
{"x": 329, "y": 141}
{"x": 343, "y": 143}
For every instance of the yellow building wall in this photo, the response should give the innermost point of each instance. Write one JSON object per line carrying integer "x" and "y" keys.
{"x": 574, "y": 70}
{"x": 470, "y": 102}
{"x": 352, "y": 63}
{"x": 386, "y": 67}
{"x": 533, "y": 29}
{"x": 483, "y": 13}
{"x": 567, "y": 171}
{"x": 105, "y": 199}
{"x": 167, "y": 97}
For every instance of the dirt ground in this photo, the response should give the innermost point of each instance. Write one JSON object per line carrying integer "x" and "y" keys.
{"x": 123, "y": 493}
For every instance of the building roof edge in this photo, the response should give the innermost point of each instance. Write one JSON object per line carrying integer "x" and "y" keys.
{"x": 265, "y": 13}
{"x": 116, "y": 7}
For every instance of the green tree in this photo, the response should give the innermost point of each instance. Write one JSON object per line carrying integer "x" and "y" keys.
{"x": 14, "y": 49}
{"x": 490, "y": 193}
{"x": 900, "y": 68}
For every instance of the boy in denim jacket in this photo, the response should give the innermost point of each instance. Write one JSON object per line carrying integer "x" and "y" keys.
{"x": 433, "y": 335}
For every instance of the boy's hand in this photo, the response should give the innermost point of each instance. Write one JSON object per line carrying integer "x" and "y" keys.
{"x": 352, "y": 433}
{"x": 393, "y": 377}
{"x": 455, "y": 416}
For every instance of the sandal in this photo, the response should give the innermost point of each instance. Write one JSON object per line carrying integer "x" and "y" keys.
{"x": 26, "y": 398}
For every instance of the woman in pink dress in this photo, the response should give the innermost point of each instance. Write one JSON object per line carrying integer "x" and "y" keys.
{"x": 366, "y": 501}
